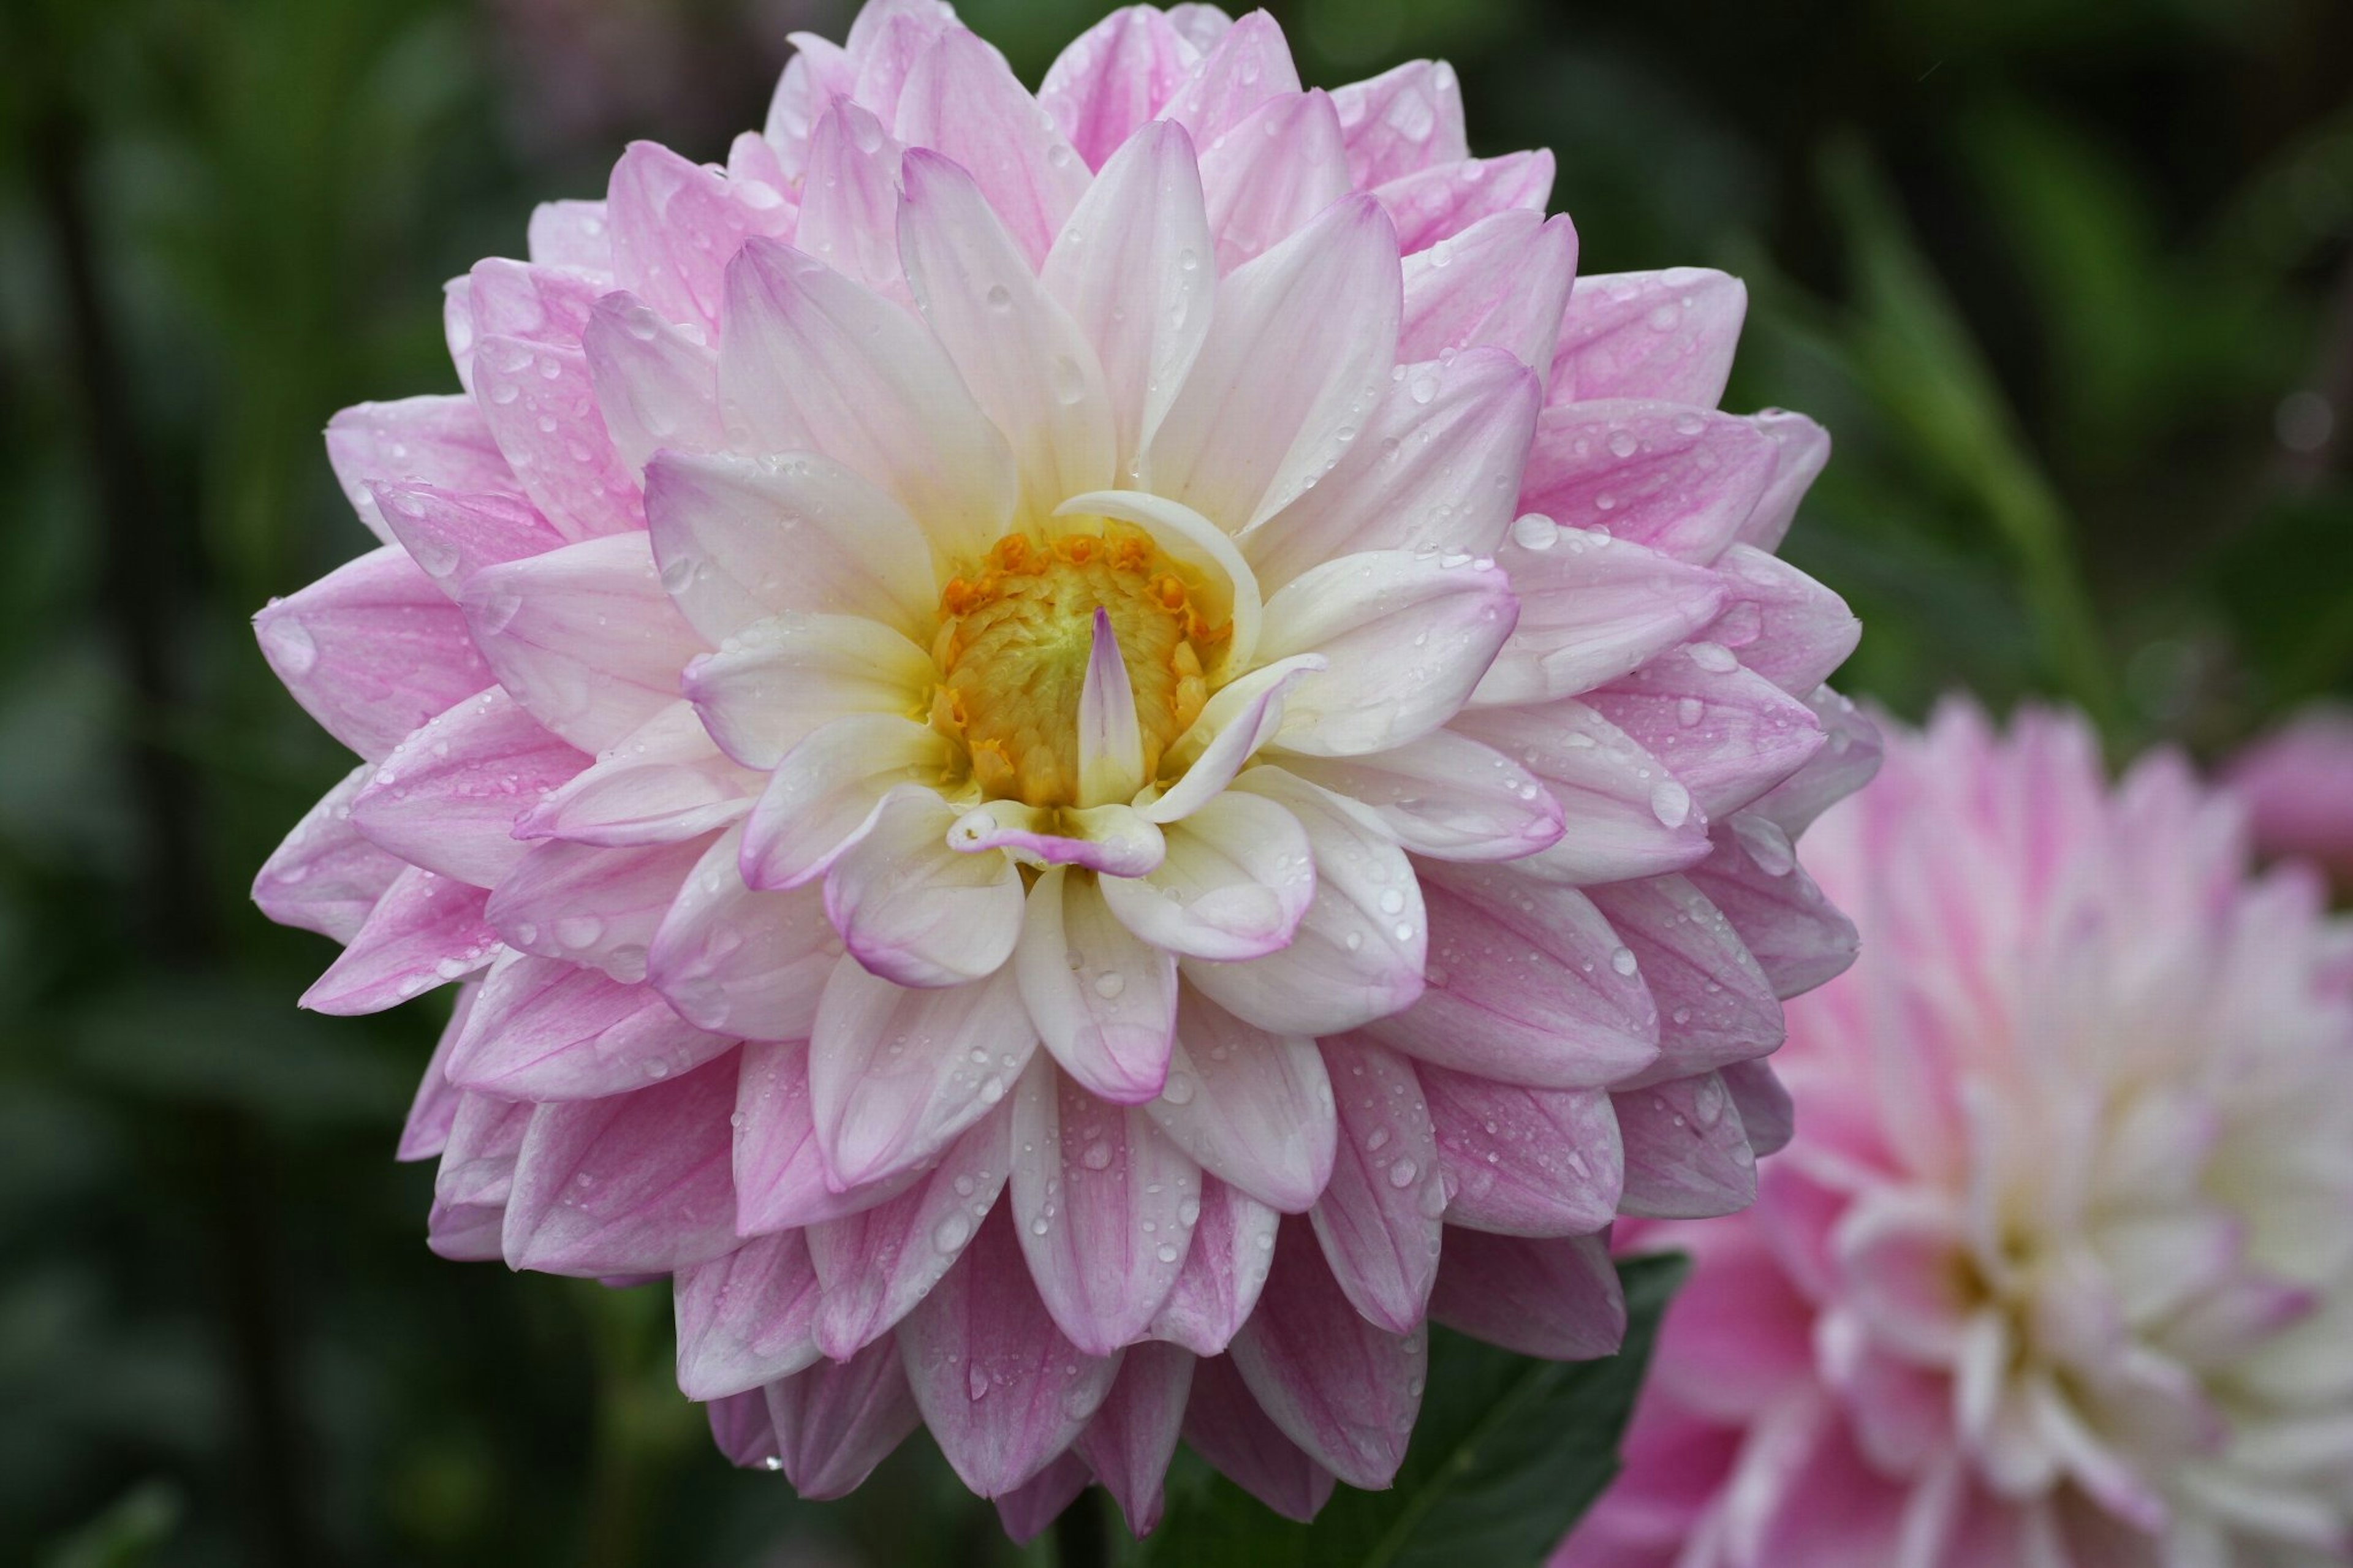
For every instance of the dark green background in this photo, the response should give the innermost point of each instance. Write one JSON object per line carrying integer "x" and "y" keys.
{"x": 2069, "y": 283}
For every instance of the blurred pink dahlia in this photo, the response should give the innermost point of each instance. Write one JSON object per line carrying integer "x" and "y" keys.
{"x": 1007, "y": 691}
{"x": 2059, "y": 1268}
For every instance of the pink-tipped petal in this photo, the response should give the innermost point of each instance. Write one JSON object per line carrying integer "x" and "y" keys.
{"x": 593, "y": 906}
{"x": 447, "y": 798}
{"x": 828, "y": 791}
{"x": 661, "y": 785}
{"x": 571, "y": 233}
{"x": 1104, "y": 1002}
{"x": 1804, "y": 450}
{"x": 1000, "y": 1388}
{"x": 656, "y": 387}
{"x": 1233, "y": 1247}
{"x": 838, "y": 1420}
{"x": 1116, "y": 840}
{"x": 1255, "y": 1109}
{"x": 544, "y": 1030}
{"x": 425, "y": 1132}
{"x": 436, "y": 441}
{"x": 1665, "y": 336}
{"x": 452, "y": 535}
{"x": 746, "y": 1319}
{"x": 1677, "y": 478}
{"x": 1780, "y": 623}
{"x": 1445, "y": 795}
{"x": 674, "y": 224}
{"x": 1238, "y": 877}
{"x": 539, "y": 402}
{"x": 1556, "y": 1299}
{"x": 780, "y": 680}
{"x": 1592, "y": 610}
{"x": 779, "y": 1173}
{"x": 850, "y": 197}
{"x": 426, "y": 931}
{"x": 962, "y": 100}
{"x": 1248, "y": 63}
{"x": 1236, "y": 721}
{"x": 1437, "y": 203}
{"x": 1129, "y": 1443}
{"x": 1378, "y": 1218}
{"x": 1715, "y": 1005}
{"x": 1525, "y": 1162}
{"x": 1112, "y": 78}
{"x": 325, "y": 877}
{"x": 1036, "y": 1503}
{"x": 916, "y": 912}
{"x": 1403, "y": 121}
{"x": 1687, "y": 1155}
{"x": 1633, "y": 817}
{"x": 1224, "y": 1424}
{"x": 1104, "y": 1203}
{"x": 1278, "y": 167}
{"x": 1730, "y": 735}
{"x": 1503, "y": 282}
{"x": 372, "y": 650}
{"x": 745, "y": 964}
{"x": 1111, "y": 745}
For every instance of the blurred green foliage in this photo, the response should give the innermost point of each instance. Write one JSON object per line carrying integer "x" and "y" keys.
{"x": 2069, "y": 283}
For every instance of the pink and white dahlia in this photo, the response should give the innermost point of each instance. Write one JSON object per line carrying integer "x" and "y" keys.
{"x": 2058, "y": 1268}
{"x": 1081, "y": 755}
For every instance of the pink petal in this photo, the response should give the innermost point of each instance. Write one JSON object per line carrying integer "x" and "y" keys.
{"x": 1782, "y": 624}
{"x": 1714, "y": 1004}
{"x": 826, "y": 793}
{"x": 1104, "y": 1203}
{"x": 371, "y": 650}
{"x": 1278, "y": 167}
{"x": 1378, "y": 1218}
{"x": 1849, "y": 757}
{"x": 745, "y": 1318}
{"x": 1253, "y": 1108}
{"x": 542, "y": 1029}
{"x": 1524, "y": 986}
{"x": 1238, "y": 444}
{"x": 1677, "y": 478}
{"x": 1030, "y": 1508}
{"x": 1665, "y": 336}
{"x": 1525, "y": 1162}
{"x": 1592, "y": 610}
{"x": 1740, "y": 1339}
{"x": 741, "y": 1428}
{"x": 1133, "y": 267}
{"x": 741, "y": 962}
{"x": 896, "y": 1074}
{"x": 961, "y": 99}
{"x": 1110, "y": 741}
{"x": 325, "y": 877}
{"x": 426, "y": 931}
{"x": 447, "y": 798}
{"x": 590, "y": 905}
{"x": 571, "y": 233}
{"x": 1238, "y": 876}
{"x": 437, "y": 441}
{"x": 913, "y": 910}
{"x": 743, "y": 539}
{"x": 532, "y": 301}
{"x": 582, "y": 636}
{"x": 850, "y": 198}
{"x": 540, "y": 407}
{"x": 1436, "y": 468}
{"x": 1555, "y": 1298}
{"x": 478, "y": 1163}
{"x": 1687, "y": 1155}
{"x": 779, "y": 1175}
{"x": 675, "y": 224}
{"x": 1408, "y": 636}
{"x": 820, "y": 363}
{"x": 656, "y": 387}
{"x": 838, "y": 1420}
{"x": 1436, "y": 202}
{"x": 1767, "y": 1113}
{"x": 664, "y": 784}
{"x": 1112, "y": 78}
{"x": 1104, "y": 1001}
{"x": 1503, "y": 282}
{"x": 637, "y": 1183}
{"x": 1129, "y": 1443}
{"x": 452, "y": 536}
{"x": 1341, "y": 1388}
{"x": 1224, "y": 1424}
{"x": 1249, "y": 64}
{"x": 1804, "y": 449}
{"x": 1358, "y": 951}
{"x": 1000, "y": 1388}
{"x": 1629, "y": 818}
{"x": 1730, "y": 735}
{"x": 1402, "y": 120}
{"x": 1216, "y": 1290}
{"x": 425, "y": 1132}
{"x": 878, "y": 1263}
{"x": 1445, "y": 795}
{"x": 1029, "y": 364}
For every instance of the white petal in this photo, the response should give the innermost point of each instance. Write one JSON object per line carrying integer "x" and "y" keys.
{"x": 824, "y": 795}
{"x": 1238, "y": 877}
{"x": 916, "y": 911}
{"x": 1104, "y": 1002}
{"x": 764, "y": 692}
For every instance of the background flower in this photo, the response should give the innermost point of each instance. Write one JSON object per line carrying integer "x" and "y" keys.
{"x": 2058, "y": 1268}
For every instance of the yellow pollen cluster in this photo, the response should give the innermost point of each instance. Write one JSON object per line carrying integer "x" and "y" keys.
{"x": 1013, "y": 643}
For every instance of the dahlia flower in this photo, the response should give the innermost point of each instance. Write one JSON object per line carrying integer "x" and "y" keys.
{"x": 2059, "y": 1268}
{"x": 1079, "y": 755}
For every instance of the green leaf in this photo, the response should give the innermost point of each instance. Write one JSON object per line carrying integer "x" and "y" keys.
{"x": 1509, "y": 1452}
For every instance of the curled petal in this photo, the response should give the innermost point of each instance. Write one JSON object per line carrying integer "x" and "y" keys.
{"x": 828, "y": 792}
{"x": 1238, "y": 877}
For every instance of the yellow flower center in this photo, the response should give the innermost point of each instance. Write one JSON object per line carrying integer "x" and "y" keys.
{"x": 1014, "y": 638}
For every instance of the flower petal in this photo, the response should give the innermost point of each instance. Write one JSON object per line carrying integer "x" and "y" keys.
{"x": 916, "y": 911}
{"x": 1342, "y": 1389}
{"x": 780, "y": 680}
{"x": 896, "y": 1074}
{"x": 1555, "y": 1298}
{"x": 665, "y": 782}
{"x": 656, "y": 387}
{"x": 1526, "y": 985}
{"x": 446, "y": 798}
{"x": 1115, "y": 839}
{"x": 570, "y": 234}
{"x": 740, "y": 540}
{"x": 1112, "y": 78}
{"x": 1525, "y": 1162}
{"x": 1687, "y": 1155}
{"x": 1632, "y": 818}
{"x": 962, "y": 100}
{"x": 1036, "y": 1503}
{"x": 542, "y": 1029}
{"x": 1233, "y": 1247}
{"x": 1129, "y": 1443}
{"x": 1249, "y": 63}
{"x": 780, "y": 1177}
{"x": 425, "y": 1132}
{"x": 583, "y": 636}
{"x": 1504, "y": 282}
{"x": 1782, "y": 624}
{"x": 1592, "y": 610}
{"x": 1225, "y": 1426}
{"x": 451, "y": 536}
{"x": 1730, "y": 735}
{"x": 1279, "y": 166}
{"x": 1238, "y": 877}
{"x": 1407, "y": 637}
{"x": 1445, "y": 795}
{"x": 1028, "y": 365}
{"x": 590, "y": 905}
{"x": 825, "y": 793}
{"x": 850, "y": 197}
{"x": 1239, "y": 444}
{"x": 1430, "y": 204}
{"x": 325, "y": 877}
{"x": 741, "y": 962}
{"x": 1678, "y": 478}
{"x": 1000, "y": 1388}
{"x": 746, "y": 1319}
{"x": 1110, "y": 745}
{"x": 1379, "y": 1219}
{"x": 540, "y": 402}
{"x": 635, "y": 1184}
{"x": 818, "y": 362}
{"x": 1255, "y": 1109}
{"x": 674, "y": 224}
{"x": 1804, "y": 449}
{"x": 1665, "y": 336}
{"x": 1243, "y": 715}
{"x": 440, "y": 441}
{"x": 1715, "y": 1005}
{"x": 1104, "y": 1002}
{"x": 426, "y": 931}
{"x": 371, "y": 650}
{"x": 836, "y": 1420}
{"x": 1104, "y": 1203}
{"x": 878, "y": 1263}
